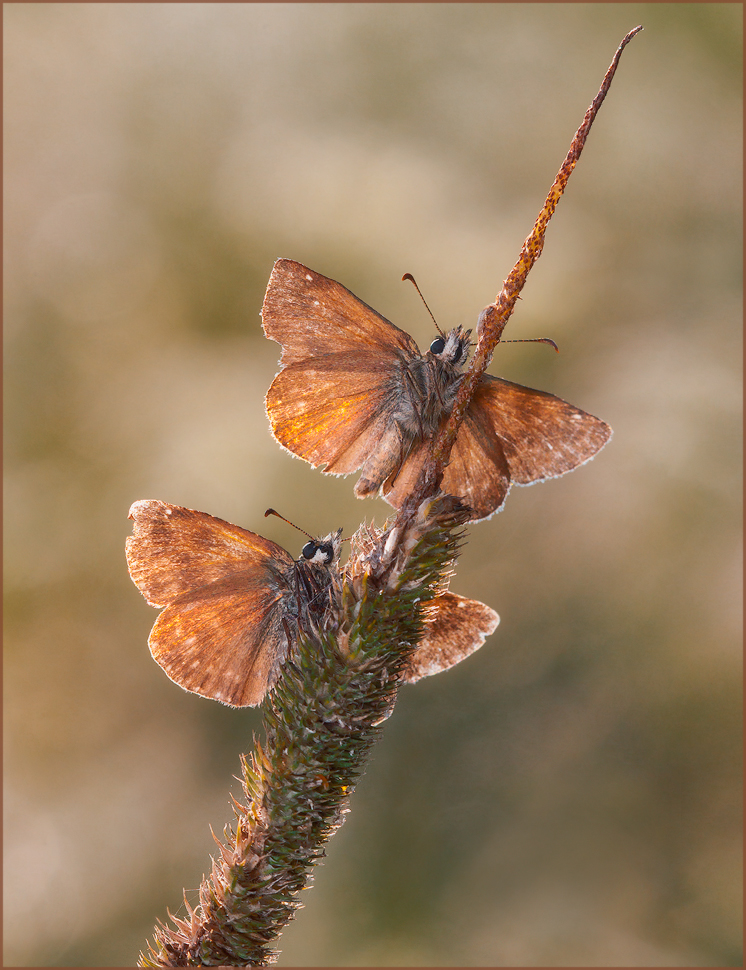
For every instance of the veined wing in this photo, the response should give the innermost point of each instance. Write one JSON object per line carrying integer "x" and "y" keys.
{"x": 477, "y": 471}
{"x": 174, "y": 550}
{"x": 225, "y": 640}
{"x": 456, "y": 628}
{"x": 313, "y": 316}
{"x": 541, "y": 435}
{"x": 343, "y": 369}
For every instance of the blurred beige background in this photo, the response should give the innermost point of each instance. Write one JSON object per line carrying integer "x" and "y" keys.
{"x": 571, "y": 794}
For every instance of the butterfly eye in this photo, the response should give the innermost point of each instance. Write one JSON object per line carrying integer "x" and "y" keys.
{"x": 437, "y": 346}
{"x": 309, "y": 550}
{"x": 320, "y": 553}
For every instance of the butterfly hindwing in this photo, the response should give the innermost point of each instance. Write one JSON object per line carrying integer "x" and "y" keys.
{"x": 225, "y": 640}
{"x": 331, "y": 419}
{"x": 477, "y": 470}
{"x": 456, "y": 627}
{"x": 510, "y": 435}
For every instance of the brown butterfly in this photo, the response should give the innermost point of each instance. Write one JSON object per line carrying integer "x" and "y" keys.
{"x": 233, "y": 603}
{"x": 354, "y": 393}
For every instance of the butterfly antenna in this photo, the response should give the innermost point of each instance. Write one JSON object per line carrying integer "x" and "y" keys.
{"x": 533, "y": 340}
{"x": 408, "y": 276}
{"x": 272, "y": 512}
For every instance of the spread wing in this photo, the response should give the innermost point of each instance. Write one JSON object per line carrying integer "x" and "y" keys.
{"x": 225, "y": 640}
{"x": 541, "y": 435}
{"x": 221, "y": 634}
{"x": 510, "y": 435}
{"x": 342, "y": 371}
{"x": 173, "y": 550}
{"x": 457, "y": 628}
{"x": 313, "y": 316}
{"x": 477, "y": 471}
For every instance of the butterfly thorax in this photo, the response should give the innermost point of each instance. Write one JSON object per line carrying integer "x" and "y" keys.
{"x": 311, "y": 583}
{"x": 432, "y": 382}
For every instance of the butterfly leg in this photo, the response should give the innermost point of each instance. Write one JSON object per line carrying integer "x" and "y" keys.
{"x": 406, "y": 447}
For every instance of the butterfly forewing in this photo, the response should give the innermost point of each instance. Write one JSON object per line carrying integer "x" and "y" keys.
{"x": 313, "y": 316}
{"x": 173, "y": 550}
{"x": 541, "y": 435}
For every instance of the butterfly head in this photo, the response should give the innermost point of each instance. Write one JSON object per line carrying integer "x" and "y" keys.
{"x": 323, "y": 552}
{"x": 452, "y": 348}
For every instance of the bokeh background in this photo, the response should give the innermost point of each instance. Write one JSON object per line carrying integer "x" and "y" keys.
{"x": 570, "y": 795}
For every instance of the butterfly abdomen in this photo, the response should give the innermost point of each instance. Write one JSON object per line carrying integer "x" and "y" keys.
{"x": 384, "y": 461}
